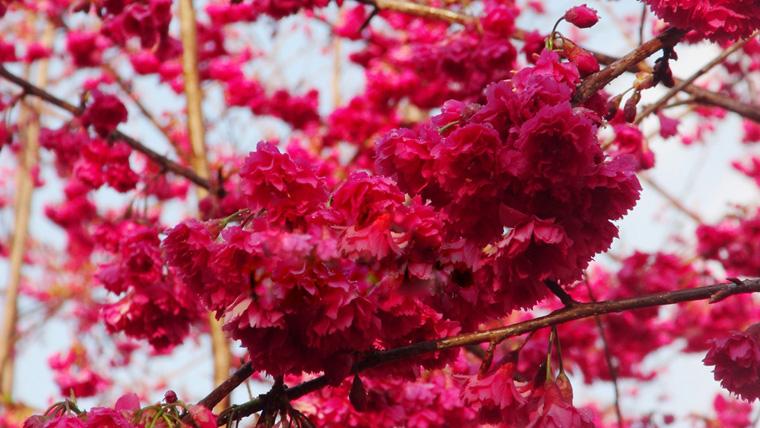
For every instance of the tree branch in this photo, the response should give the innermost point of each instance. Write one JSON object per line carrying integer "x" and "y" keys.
{"x": 700, "y": 95}
{"x": 681, "y": 85}
{"x": 581, "y": 310}
{"x": 164, "y": 162}
{"x": 598, "y": 80}
{"x": 422, "y": 10}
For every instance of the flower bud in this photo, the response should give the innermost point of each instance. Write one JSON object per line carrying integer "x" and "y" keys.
{"x": 170, "y": 396}
{"x": 644, "y": 80}
{"x": 564, "y": 386}
{"x": 358, "y": 394}
{"x": 629, "y": 110}
{"x": 581, "y": 16}
{"x": 613, "y": 105}
{"x": 583, "y": 59}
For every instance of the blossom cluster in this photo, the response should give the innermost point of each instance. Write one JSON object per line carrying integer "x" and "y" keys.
{"x": 718, "y": 20}
{"x": 380, "y": 261}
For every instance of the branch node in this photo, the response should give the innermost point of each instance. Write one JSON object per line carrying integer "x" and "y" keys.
{"x": 557, "y": 290}
{"x": 735, "y": 286}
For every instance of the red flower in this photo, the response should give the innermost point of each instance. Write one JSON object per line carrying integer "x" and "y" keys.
{"x": 105, "y": 113}
{"x": 496, "y": 397}
{"x": 737, "y": 362}
{"x": 274, "y": 182}
{"x": 582, "y": 16}
{"x": 718, "y": 20}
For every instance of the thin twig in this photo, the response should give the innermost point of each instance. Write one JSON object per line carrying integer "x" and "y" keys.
{"x": 680, "y": 86}
{"x": 582, "y": 310}
{"x": 608, "y": 357}
{"x": 644, "y": 8}
{"x": 674, "y": 201}
{"x": 125, "y": 87}
{"x": 422, "y": 10}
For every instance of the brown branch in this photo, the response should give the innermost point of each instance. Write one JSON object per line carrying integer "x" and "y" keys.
{"x": 422, "y": 10}
{"x": 700, "y": 95}
{"x": 561, "y": 294}
{"x": 598, "y": 80}
{"x": 164, "y": 162}
{"x": 126, "y": 88}
{"x": 681, "y": 85}
{"x": 582, "y": 310}
{"x": 225, "y": 388}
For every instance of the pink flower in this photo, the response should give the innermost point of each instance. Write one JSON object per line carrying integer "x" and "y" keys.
{"x": 582, "y": 16}
{"x": 732, "y": 413}
{"x": 737, "y": 362}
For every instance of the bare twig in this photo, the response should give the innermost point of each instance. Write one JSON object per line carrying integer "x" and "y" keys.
{"x": 644, "y": 8}
{"x": 225, "y": 388}
{"x": 674, "y": 201}
{"x": 681, "y": 85}
{"x": 608, "y": 358}
{"x": 582, "y": 310}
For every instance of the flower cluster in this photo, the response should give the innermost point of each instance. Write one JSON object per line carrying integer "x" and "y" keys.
{"x": 153, "y": 305}
{"x": 532, "y": 165}
{"x": 126, "y": 413}
{"x": 734, "y": 243}
{"x": 718, "y": 20}
{"x": 737, "y": 362}
{"x": 74, "y": 375}
{"x": 104, "y": 113}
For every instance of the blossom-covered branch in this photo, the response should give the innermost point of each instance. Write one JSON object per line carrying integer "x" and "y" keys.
{"x": 701, "y": 95}
{"x": 582, "y": 310}
{"x": 163, "y": 161}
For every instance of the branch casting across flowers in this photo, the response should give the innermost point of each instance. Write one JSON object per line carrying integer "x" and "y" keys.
{"x": 578, "y": 311}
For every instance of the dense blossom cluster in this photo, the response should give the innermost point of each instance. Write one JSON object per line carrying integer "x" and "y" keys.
{"x": 532, "y": 164}
{"x": 464, "y": 186}
{"x": 718, "y": 20}
{"x": 377, "y": 266}
{"x": 734, "y": 243}
{"x": 126, "y": 413}
{"x": 153, "y": 305}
